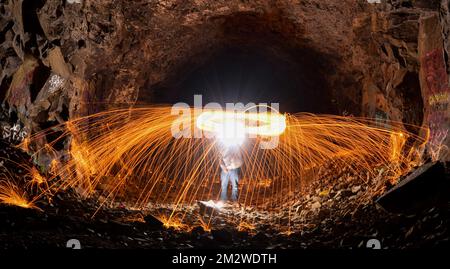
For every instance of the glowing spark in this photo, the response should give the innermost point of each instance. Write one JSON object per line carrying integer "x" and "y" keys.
{"x": 24, "y": 145}
{"x": 54, "y": 164}
{"x": 265, "y": 182}
{"x": 174, "y": 223}
{"x": 245, "y": 226}
{"x": 206, "y": 226}
{"x": 36, "y": 177}
{"x": 398, "y": 141}
{"x": 10, "y": 194}
{"x": 37, "y": 183}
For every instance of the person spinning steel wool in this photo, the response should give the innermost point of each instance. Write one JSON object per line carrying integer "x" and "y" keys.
{"x": 230, "y": 129}
{"x": 231, "y": 137}
{"x": 230, "y": 163}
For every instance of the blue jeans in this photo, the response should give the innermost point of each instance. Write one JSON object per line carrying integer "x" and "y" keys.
{"x": 225, "y": 178}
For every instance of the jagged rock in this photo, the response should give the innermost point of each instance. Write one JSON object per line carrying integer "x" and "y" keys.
{"x": 197, "y": 231}
{"x": 356, "y": 189}
{"x": 222, "y": 235}
{"x": 316, "y": 205}
{"x": 422, "y": 188}
{"x": 153, "y": 222}
{"x": 57, "y": 63}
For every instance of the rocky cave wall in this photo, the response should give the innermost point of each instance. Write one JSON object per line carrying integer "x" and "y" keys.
{"x": 405, "y": 63}
{"x": 63, "y": 59}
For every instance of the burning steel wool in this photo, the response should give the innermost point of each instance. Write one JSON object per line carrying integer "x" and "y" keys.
{"x": 131, "y": 156}
{"x": 258, "y": 124}
{"x": 11, "y": 194}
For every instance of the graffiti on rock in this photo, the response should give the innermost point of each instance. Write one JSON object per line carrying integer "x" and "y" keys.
{"x": 437, "y": 94}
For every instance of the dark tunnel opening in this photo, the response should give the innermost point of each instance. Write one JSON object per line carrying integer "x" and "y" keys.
{"x": 250, "y": 75}
{"x": 254, "y": 59}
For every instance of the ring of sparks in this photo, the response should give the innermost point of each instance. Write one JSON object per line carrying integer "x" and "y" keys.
{"x": 253, "y": 124}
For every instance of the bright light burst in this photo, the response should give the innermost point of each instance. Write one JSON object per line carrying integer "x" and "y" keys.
{"x": 250, "y": 123}
{"x": 232, "y": 127}
{"x": 130, "y": 155}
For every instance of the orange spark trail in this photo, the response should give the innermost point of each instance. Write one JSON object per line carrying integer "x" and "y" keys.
{"x": 130, "y": 155}
{"x": 11, "y": 194}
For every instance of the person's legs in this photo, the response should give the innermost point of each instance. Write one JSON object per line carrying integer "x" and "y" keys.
{"x": 234, "y": 177}
{"x": 224, "y": 177}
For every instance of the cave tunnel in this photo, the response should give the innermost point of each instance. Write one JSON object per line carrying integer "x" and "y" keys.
{"x": 86, "y": 149}
{"x": 251, "y": 75}
{"x": 256, "y": 60}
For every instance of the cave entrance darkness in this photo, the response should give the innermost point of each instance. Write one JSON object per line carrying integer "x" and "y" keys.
{"x": 252, "y": 60}
{"x": 250, "y": 75}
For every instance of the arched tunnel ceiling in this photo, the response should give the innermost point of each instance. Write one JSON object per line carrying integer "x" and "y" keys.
{"x": 144, "y": 51}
